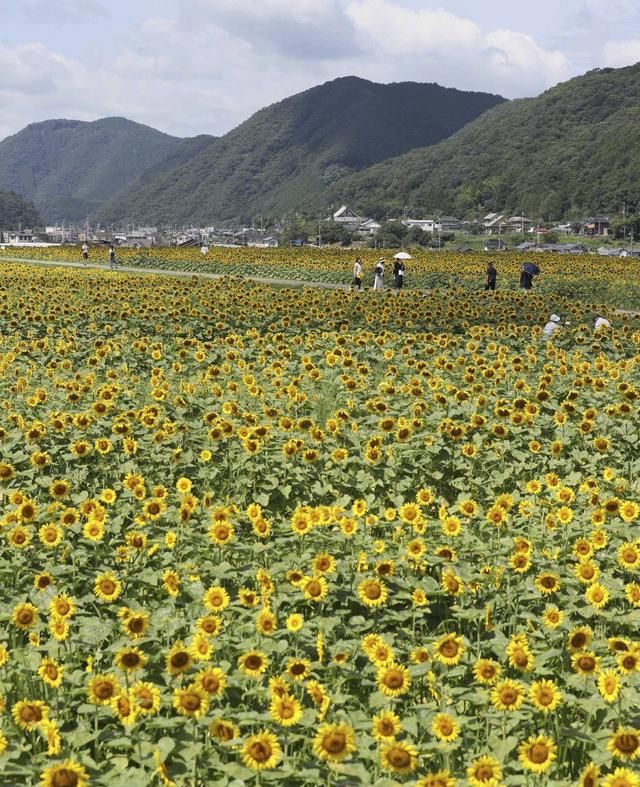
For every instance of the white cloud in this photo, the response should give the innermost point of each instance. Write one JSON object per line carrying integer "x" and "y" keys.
{"x": 621, "y": 53}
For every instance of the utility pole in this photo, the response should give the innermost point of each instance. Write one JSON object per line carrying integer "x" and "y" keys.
{"x": 319, "y": 233}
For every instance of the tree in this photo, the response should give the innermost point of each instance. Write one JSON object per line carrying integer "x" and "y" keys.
{"x": 418, "y": 237}
{"x": 296, "y": 232}
{"x": 392, "y": 233}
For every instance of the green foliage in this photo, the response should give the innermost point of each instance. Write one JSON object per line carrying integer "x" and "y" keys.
{"x": 572, "y": 151}
{"x": 15, "y": 210}
{"x": 69, "y": 167}
{"x": 285, "y": 156}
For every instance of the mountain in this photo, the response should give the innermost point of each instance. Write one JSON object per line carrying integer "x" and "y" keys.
{"x": 573, "y": 150}
{"x": 15, "y": 210}
{"x": 291, "y": 151}
{"x": 70, "y": 167}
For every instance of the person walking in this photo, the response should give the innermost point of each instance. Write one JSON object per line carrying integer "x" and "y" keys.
{"x": 112, "y": 256}
{"x": 85, "y": 253}
{"x": 600, "y": 322}
{"x": 378, "y": 279}
{"x": 398, "y": 274}
{"x": 492, "y": 276}
{"x": 357, "y": 274}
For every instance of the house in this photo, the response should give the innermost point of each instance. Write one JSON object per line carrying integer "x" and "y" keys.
{"x": 494, "y": 222}
{"x": 449, "y": 224}
{"x": 596, "y": 225}
{"x": 369, "y": 227}
{"x": 347, "y": 217}
{"x": 426, "y": 225}
{"x": 518, "y": 224}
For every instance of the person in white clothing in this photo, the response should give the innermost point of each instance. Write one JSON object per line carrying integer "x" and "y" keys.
{"x": 551, "y": 327}
{"x": 357, "y": 274}
{"x": 600, "y": 322}
{"x": 378, "y": 280}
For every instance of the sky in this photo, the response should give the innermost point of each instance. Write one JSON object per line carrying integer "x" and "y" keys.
{"x": 189, "y": 67}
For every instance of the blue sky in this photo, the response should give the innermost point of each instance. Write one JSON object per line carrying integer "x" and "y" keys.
{"x": 203, "y": 66}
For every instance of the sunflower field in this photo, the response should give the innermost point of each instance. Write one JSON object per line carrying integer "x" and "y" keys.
{"x": 614, "y": 281}
{"x": 306, "y": 537}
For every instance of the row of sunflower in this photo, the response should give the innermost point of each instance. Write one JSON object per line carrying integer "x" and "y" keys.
{"x": 584, "y": 276}
{"x": 308, "y": 537}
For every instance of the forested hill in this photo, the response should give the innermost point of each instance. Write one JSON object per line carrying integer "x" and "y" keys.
{"x": 16, "y": 211}
{"x": 70, "y": 167}
{"x": 575, "y": 149}
{"x": 289, "y": 152}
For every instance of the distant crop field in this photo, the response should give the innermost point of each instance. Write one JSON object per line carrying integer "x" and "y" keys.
{"x": 304, "y": 537}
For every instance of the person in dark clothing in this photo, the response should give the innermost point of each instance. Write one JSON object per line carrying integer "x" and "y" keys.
{"x": 398, "y": 274}
{"x": 526, "y": 279}
{"x": 492, "y": 276}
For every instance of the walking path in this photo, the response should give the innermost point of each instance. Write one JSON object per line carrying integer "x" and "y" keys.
{"x": 205, "y": 275}
{"x": 167, "y": 272}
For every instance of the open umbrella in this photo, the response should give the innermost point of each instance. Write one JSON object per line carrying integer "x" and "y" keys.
{"x": 402, "y": 255}
{"x": 531, "y": 268}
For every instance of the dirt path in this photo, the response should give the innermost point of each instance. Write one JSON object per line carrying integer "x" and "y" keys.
{"x": 167, "y": 272}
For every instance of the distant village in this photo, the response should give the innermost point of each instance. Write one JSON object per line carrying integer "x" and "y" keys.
{"x": 498, "y": 230}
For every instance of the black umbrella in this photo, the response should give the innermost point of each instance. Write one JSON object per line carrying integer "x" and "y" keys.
{"x": 531, "y": 268}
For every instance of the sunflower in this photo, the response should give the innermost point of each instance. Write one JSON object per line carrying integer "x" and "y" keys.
{"x": 484, "y": 772}
{"x": 50, "y": 535}
{"x": 103, "y": 688}
{"x": 130, "y": 659}
{"x": 334, "y": 742}
{"x": 629, "y": 556}
{"x": 179, "y": 659}
{"x": 146, "y": 698}
{"x": 625, "y": 743}
{"x": 547, "y": 583}
{"x": 223, "y": 731}
{"x": 62, "y": 606}
{"x": 589, "y": 776}
{"x": 372, "y": 592}
{"x": 191, "y": 701}
{"x": 449, "y": 649}
{"x": 609, "y": 685}
{"x": 486, "y": 671}
{"x": 537, "y": 753}
{"x": 19, "y": 537}
{"x": 285, "y": 710}
{"x": 437, "y": 779}
{"x": 211, "y": 625}
{"x": 24, "y": 615}
{"x": 294, "y": 622}
{"x": 544, "y": 695}
{"x": 552, "y": 617}
{"x": 579, "y": 638}
{"x": 107, "y": 587}
{"x": 64, "y": 774}
{"x": 385, "y": 725}
{"x": 452, "y": 583}
{"x": 27, "y": 714}
{"x": 398, "y": 757}
{"x": 51, "y": 672}
{"x": 216, "y": 598}
{"x": 59, "y": 489}
{"x": 597, "y": 595}
{"x": 629, "y": 661}
{"x": 135, "y": 624}
{"x": 253, "y": 663}
{"x": 585, "y": 662}
{"x": 261, "y": 751}
{"x": 124, "y": 709}
{"x": 212, "y": 680}
{"x": 298, "y": 669}
{"x": 315, "y": 588}
{"x": 445, "y": 727}
{"x": 393, "y": 680}
{"x": 508, "y": 695}
{"x": 621, "y": 777}
{"x": 632, "y": 593}
{"x": 171, "y": 582}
